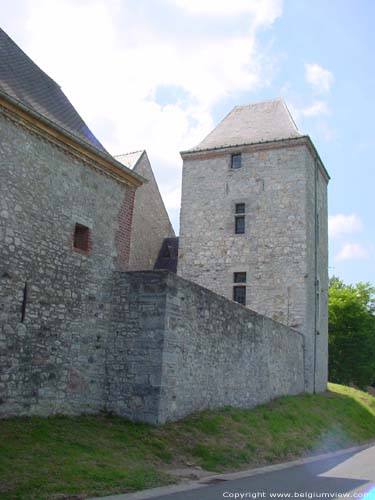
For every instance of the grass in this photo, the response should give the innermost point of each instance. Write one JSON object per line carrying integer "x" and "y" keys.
{"x": 78, "y": 457}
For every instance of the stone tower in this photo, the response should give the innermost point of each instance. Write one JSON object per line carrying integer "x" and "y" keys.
{"x": 254, "y": 223}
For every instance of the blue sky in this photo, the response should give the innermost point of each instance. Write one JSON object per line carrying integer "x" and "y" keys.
{"x": 159, "y": 74}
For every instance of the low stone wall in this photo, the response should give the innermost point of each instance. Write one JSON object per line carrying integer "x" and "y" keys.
{"x": 164, "y": 348}
{"x": 186, "y": 349}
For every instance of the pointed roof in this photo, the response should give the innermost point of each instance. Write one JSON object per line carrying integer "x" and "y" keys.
{"x": 254, "y": 123}
{"x": 130, "y": 159}
{"x": 24, "y": 81}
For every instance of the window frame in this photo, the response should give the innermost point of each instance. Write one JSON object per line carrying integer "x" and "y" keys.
{"x": 238, "y": 228}
{"x": 238, "y": 275}
{"x": 237, "y": 288}
{"x": 81, "y": 241}
{"x": 233, "y": 158}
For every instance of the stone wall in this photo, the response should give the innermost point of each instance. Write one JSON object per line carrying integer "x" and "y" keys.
{"x": 180, "y": 348}
{"x": 151, "y": 223}
{"x": 79, "y": 336}
{"x": 277, "y": 185}
{"x": 317, "y": 275}
{"x": 55, "y": 300}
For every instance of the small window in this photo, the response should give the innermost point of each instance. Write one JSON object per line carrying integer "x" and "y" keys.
{"x": 240, "y": 208}
{"x": 239, "y": 277}
{"x": 240, "y": 224}
{"x": 236, "y": 161}
{"x": 81, "y": 238}
{"x": 239, "y": 294}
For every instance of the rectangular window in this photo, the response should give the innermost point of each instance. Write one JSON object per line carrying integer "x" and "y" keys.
{"x": 235, "y": 161}
{"x": 240, "y": 208}
{"x": 239, "y": 218}
{"x": 81, "y": 239}
{"x": 239, "y": 277}
{"x": 239, "y": 294}
{"x": 240, "y": 225}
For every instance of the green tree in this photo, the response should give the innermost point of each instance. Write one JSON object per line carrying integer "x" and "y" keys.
{"x": 351, "y": 333}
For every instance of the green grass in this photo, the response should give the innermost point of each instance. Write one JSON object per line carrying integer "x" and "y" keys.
{"x": 65, "y": 457}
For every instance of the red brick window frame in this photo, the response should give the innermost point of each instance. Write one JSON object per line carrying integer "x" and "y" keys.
{"x": 82, "y": 239}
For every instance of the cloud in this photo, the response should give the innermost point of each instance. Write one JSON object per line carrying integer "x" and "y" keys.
{"x": 353, "y": 251}
{"x": 316, "y": 109}
{"x": 321, "y": 79}
{"x": 263, "y": 12}
{"x": 118, "y": 61}
{"x": 340, "y": 225}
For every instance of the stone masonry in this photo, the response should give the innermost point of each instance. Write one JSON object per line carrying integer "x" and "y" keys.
{"x": 284, "y": 248}
{"x": 54, "y": 299}
{"x": 178, "y": 348}
{"x": 87, "y": 326}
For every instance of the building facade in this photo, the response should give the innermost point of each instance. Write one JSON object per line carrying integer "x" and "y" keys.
{"x": 92, "y": 314}
{"x": 254, "y": 223}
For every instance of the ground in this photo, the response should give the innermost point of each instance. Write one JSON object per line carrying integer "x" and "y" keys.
{"x": 78, "y": 457}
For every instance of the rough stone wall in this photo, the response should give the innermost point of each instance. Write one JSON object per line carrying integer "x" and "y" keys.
{"x": 151, "y": 223}
{"x": 55, "y": 302}
{"x": 180, "y": 348}
{"x": 275, "y": 251}
{"x": 135, "y": 349}
{"x": 317, "y": 275}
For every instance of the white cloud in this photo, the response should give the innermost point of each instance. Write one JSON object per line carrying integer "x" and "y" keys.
{"x": 353, "y": 251}
{"x": 263, "y": 12}
{"x": 316, "y": 109}
{"x": 341, "y": 225}
{"x": 321, "y": 79}
{"x": 111, "y": 63}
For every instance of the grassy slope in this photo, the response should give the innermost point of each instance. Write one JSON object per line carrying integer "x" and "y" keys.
{"x": 61, "y": 457}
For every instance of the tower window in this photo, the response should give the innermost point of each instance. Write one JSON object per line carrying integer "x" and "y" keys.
{"x": 239, "y": 277}
{"x": 235, "y": 161}
{"x": 81, "y": 240}
{"x": 239, "y": 218}
{"x": 239, "y": 294}
{"x": 240, "y": 208}
{"x": 240, "y": 225}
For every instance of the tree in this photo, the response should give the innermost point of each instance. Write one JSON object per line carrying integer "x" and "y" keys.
{"x": 351, "y": 333}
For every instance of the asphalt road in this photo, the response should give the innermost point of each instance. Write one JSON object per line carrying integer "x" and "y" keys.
{"x": 347, "y": 476}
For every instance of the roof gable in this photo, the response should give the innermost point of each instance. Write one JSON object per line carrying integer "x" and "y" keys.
{"x": 130, "y": 159}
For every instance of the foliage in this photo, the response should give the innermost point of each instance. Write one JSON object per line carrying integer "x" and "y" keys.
{"x": 80, "y": 457}
{"x": 351, "y": 333}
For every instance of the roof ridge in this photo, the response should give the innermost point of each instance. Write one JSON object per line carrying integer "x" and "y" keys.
{"x": 130, "y": 153}
{"x": 290, "y": 114}
{"x": 276, "y": 99}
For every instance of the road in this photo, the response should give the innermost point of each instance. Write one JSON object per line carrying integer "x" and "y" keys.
{"x": 347, "y": 476}
{"x": 350, "y": 475}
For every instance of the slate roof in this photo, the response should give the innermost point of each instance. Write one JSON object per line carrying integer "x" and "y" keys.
{"x": 24, "y": 81}
{"x": 253, "y": 123}
{"x": 130, "y": 159}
